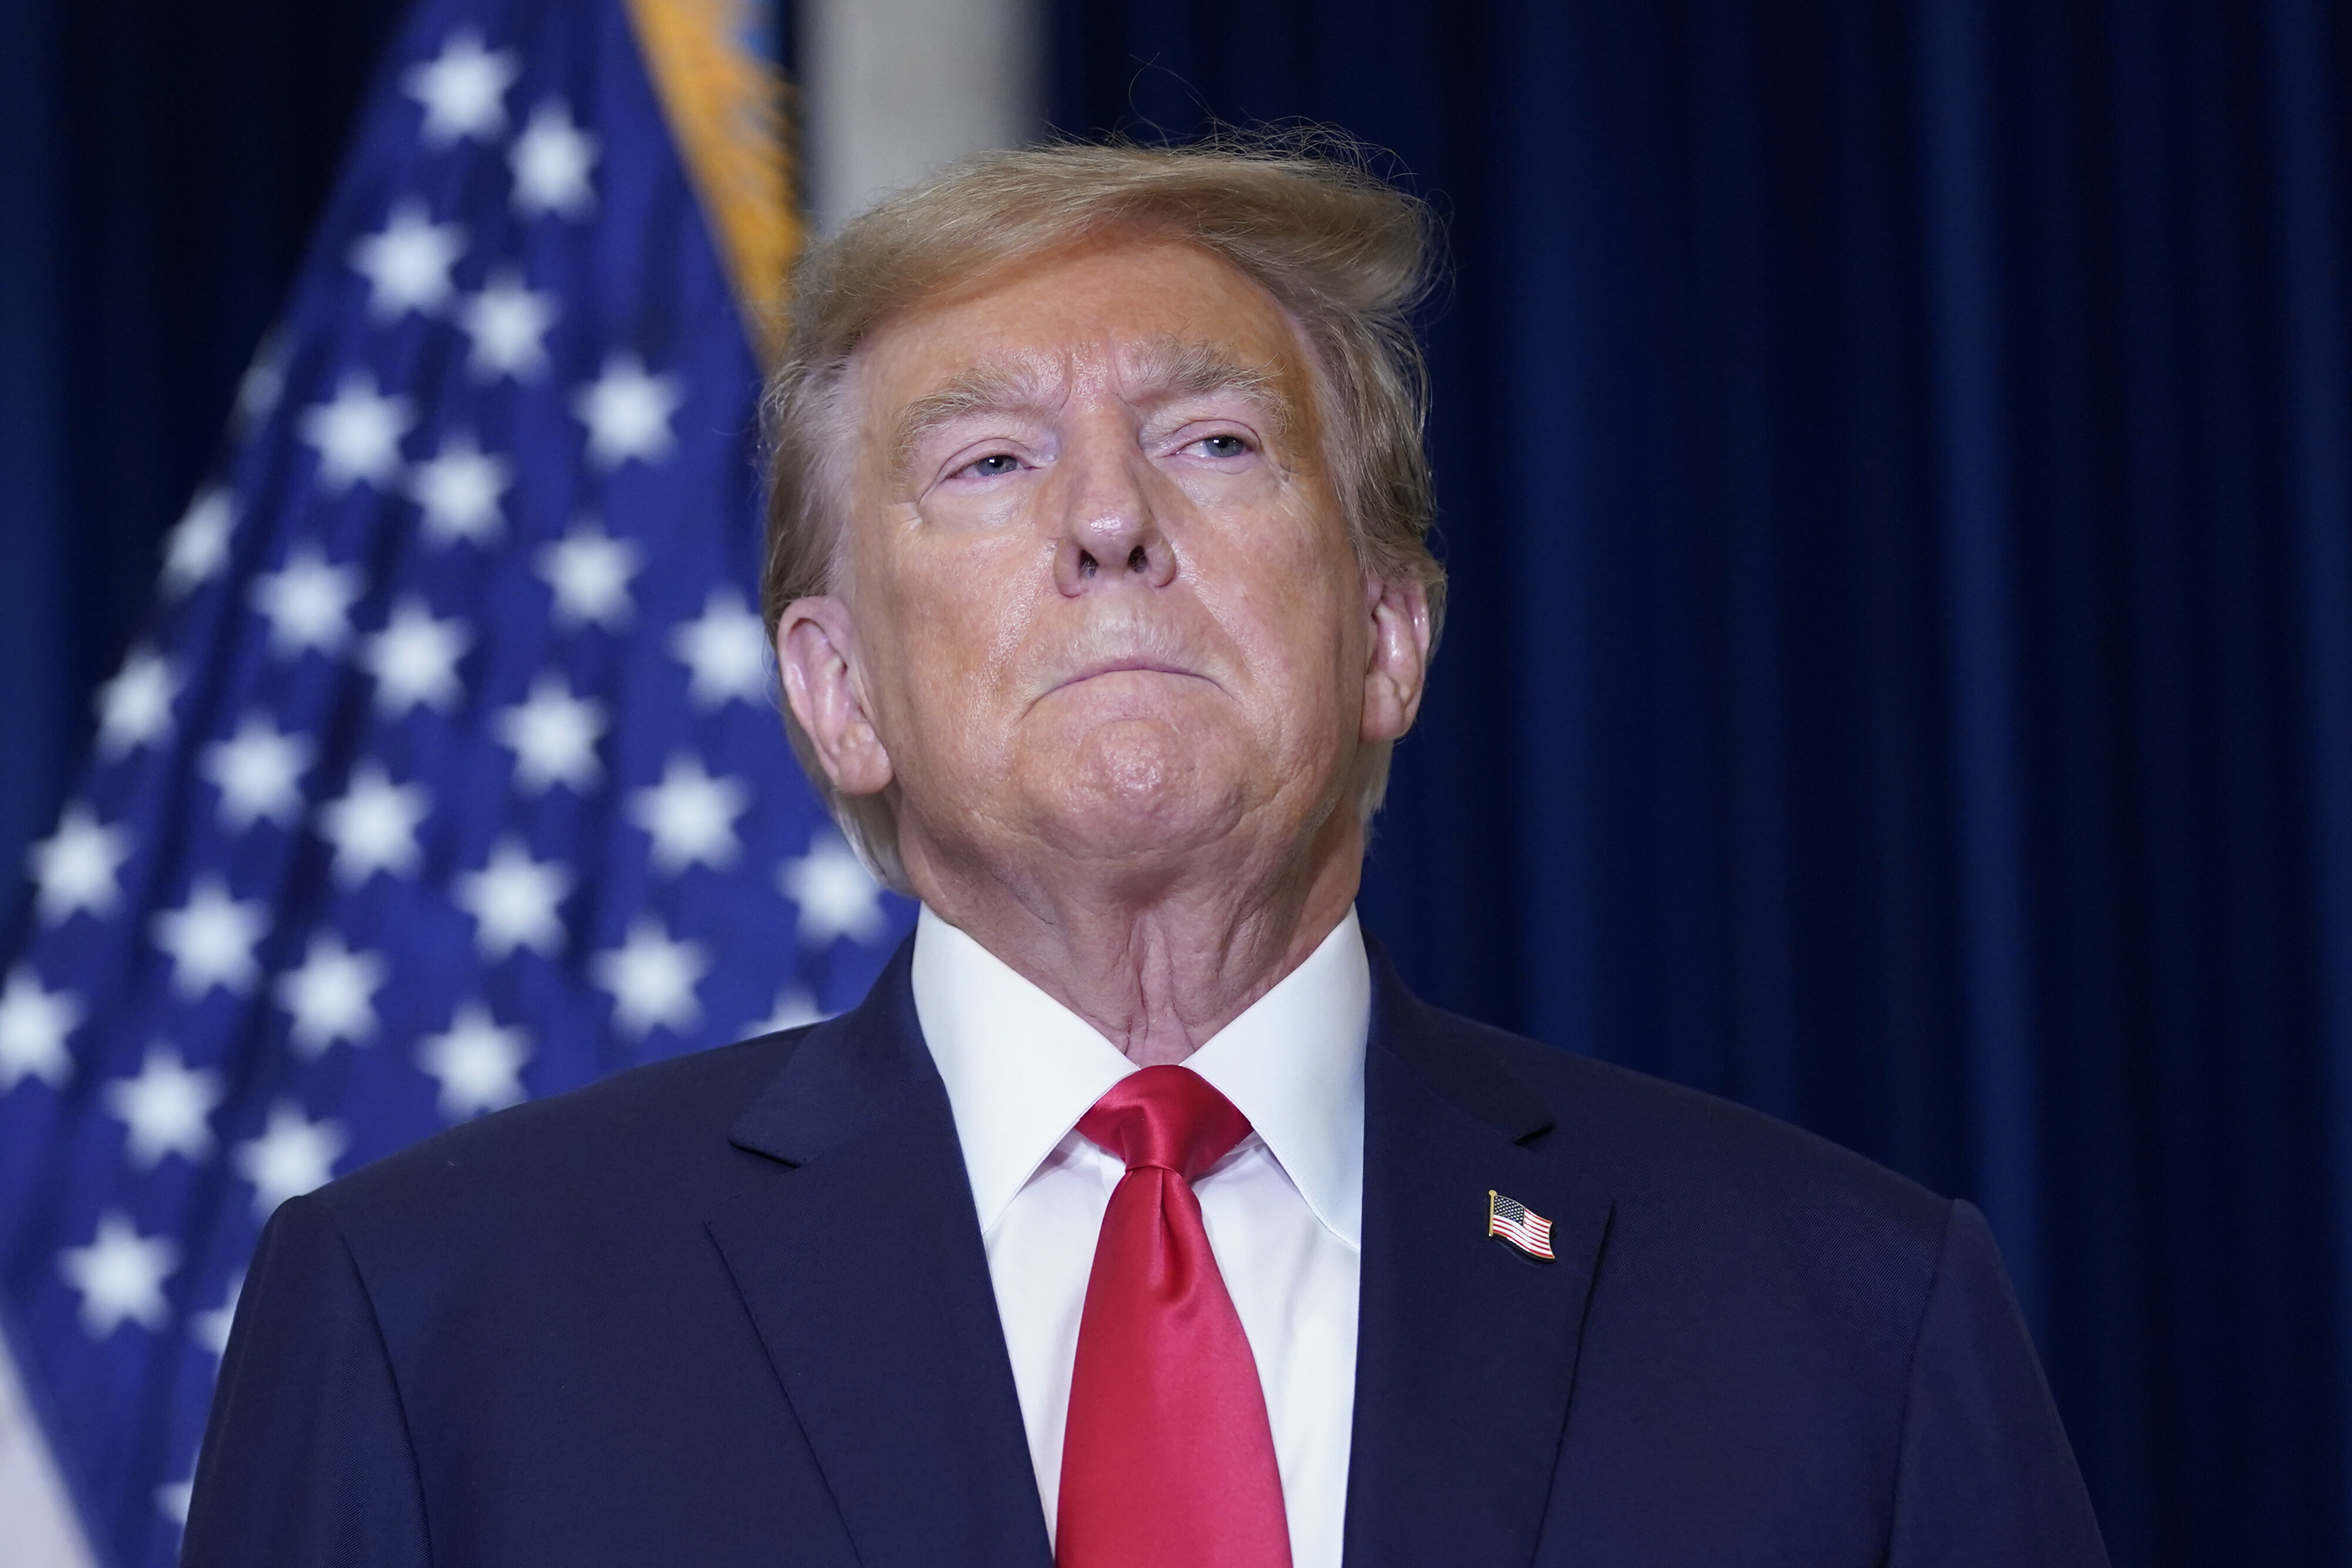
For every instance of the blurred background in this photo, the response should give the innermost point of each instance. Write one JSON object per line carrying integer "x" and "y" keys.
{"x": 1895, "y": 466}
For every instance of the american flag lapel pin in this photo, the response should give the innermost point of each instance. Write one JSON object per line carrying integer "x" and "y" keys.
{"x": 1512, "y": 1221}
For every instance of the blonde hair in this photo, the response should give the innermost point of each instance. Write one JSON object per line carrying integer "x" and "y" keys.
{"x": 1346, "y": 254}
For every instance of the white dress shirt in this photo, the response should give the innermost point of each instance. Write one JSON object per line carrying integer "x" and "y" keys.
{"x": 1283, "y": 1211}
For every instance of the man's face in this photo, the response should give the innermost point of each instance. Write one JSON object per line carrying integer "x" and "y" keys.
{"x": 1099, "y": 595}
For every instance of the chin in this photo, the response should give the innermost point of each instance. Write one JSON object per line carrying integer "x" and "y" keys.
{"x": 1142, "y": 792}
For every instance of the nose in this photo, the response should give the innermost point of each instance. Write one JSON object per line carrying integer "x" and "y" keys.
{"x": 1111, "y": 532}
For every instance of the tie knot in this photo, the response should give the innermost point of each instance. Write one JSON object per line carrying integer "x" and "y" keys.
{"x": 1166, "y": 1117}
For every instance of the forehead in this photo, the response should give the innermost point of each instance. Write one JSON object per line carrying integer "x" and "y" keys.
{"x": 1120, "y": 309}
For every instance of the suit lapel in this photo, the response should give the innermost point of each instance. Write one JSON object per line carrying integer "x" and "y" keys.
{"x": 1465, "y": 1351}
{"x": 853, "y": 1239}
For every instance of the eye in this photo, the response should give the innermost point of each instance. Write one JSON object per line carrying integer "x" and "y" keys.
{"x": 1223, "y": 445}
{"x": 995, "y": 466}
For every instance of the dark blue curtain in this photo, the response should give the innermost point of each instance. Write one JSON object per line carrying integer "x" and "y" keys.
{"x": 1896, "y": 467}
{"x": 160, "y": 163}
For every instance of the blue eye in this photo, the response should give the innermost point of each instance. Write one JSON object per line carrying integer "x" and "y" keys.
{"x": 1224, "y": 446}
{"x": 994, "y": 465}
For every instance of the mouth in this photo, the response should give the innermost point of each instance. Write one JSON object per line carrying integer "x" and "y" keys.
{"x": 1132, "y": 665}
{"x": 1127, "y": 667}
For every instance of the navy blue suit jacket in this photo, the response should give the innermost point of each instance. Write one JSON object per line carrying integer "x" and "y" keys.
{"x": 734, "y": 1308}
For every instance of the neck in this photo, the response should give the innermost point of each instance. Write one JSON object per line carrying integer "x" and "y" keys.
{"x": 1157, "y": 964}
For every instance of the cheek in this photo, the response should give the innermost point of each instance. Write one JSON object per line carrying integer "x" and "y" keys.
{"x": 1291, "y": 596}
{"x": 960, "y": 606}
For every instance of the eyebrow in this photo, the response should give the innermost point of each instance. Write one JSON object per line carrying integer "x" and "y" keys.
{"x": 984, "y": 388}
{"x": 1173, "y": 369}
{"x": 1170, "y": 369}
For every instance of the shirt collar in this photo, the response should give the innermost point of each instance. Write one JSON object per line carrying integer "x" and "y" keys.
{"x": 1021, "y": 1069}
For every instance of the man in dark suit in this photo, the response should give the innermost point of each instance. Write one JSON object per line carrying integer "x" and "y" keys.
{"x": 1138, "y": 1218}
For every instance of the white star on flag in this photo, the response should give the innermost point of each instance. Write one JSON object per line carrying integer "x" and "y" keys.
{"x": 358, "y": 433}
{"x": 259, "y": 388}
{"x": 374, "y": 825}
{"x": 590, "y": 574}
{"x": 691, "y": 815}
{"x": 134, "y": 709}
{"x": 463, "y": 89}
{"x": 257, "y": 771}
{"x": 198, "y": 547}
{"x": 34, "y": 1025}
{"x": 725, "y": 651}
{"x": 652, "y": 979}
{"x": 211, "y": 1329}
{"x": 120, "y": 1276}
{"x": 627, "y": 413}
{"x": 513, "y": 899}
{"x": 210, "y": 941}
{"x": 407, "y": 262}
{"x": 551, "y": 161}
{"x": 507, "y": 324}
{"x": 77, "y": 867}
{"x": 415, "y": 659}
{"x": 794, "y": 1006}
{"x": 165, "y": 1107}
{"x": 293, "y": 1155}
{"x": 307, "y": 603}
{"x": 331, "y": 996}
{"x": 836, "y": 895}
{"x": 479, "y": 1065}
{"x": 553, "y": 736}
{"x": 458, "y": 489}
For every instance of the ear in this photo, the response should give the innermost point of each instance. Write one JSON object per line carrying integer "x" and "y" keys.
{"x": 1397, "y": 662}
{"x": 817, "y": 652}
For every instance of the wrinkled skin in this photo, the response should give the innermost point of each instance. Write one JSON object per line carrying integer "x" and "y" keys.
{"x": 1101, "y": 629}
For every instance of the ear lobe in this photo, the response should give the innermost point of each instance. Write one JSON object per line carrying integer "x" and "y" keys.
{"x": 815, "y": 649}
{"x": 1397, "y": 665}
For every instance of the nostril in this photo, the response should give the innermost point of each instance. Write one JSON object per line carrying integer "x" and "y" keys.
{"x": 1088, "y": 565}
{"x": 1137, "y": 560}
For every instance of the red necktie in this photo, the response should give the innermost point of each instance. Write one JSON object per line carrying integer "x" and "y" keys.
{"x": 1168, "y": 1460}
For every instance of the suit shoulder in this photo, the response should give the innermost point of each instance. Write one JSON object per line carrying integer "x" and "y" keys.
{"x": 1660, "y": 1144}
{"x": 648, "y": 1125}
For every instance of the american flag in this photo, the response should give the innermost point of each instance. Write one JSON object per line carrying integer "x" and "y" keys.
{"x": 446, "y": 772}
{"x": 1518, "y": 1224}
